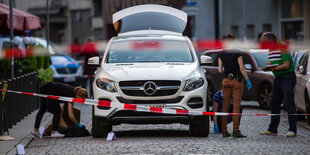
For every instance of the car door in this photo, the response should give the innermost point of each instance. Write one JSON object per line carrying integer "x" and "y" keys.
{"x": 212, "y": 74}
{"x": 302, "y": 79}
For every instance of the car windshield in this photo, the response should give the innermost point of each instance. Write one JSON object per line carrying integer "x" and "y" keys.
{"x": 60, "y": 59}
{"x": 149, "y": 50}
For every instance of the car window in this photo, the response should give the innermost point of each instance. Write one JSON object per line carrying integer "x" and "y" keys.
{"x": 59, "y": 59}
{"x": 304, "y": 60}
{"x": 297, "y": 58}
{"x": 247, "y": 59}
{"x": 214, "y": 57}
{"x": 149, "y": 50}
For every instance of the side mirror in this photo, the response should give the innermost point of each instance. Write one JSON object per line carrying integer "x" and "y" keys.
{"x": 94, "y": 61}
{"x": 204, "y": 60}
{"x": 301, "y": 70}
{"x": 248, "y": 66}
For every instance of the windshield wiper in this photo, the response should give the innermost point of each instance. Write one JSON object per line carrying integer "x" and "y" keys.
{"x": 148, "y": 61}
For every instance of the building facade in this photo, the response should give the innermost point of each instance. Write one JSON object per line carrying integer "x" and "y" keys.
{"x": 69, "y": 19}
{"x": 207, "y": 19}
{"x": 289, "y": 19}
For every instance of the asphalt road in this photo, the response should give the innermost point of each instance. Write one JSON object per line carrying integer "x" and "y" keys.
{"x": 174, "y": 139}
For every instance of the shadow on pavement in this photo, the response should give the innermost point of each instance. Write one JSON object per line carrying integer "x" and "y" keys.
{"x": 152, "y": 133}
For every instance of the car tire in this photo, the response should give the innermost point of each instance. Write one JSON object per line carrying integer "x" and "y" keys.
{"x": 307, "y": 104}
{"x": 100, "y": 127}
{"x": 200, "y": 127}
{"x": 264, "y": 96}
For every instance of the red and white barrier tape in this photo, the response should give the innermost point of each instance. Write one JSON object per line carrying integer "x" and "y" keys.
{"x": 200, "y": 46}
{"x": 141, "y": 108}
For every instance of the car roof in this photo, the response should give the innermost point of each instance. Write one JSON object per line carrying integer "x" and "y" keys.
{"x": 220, "y": 50}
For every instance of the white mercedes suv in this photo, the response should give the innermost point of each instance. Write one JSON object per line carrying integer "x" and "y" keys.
{"x": 151, "y": 64}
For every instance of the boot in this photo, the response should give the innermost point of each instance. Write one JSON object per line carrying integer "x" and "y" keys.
{"x": 226, "y": 134}
{"x": 238, "y": 134}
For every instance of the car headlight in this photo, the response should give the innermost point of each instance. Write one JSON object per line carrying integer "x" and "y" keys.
{"x": 193, "y": 83}
{"x": 106, "y": 84}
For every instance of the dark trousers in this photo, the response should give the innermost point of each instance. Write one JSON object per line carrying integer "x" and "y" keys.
{"x": 49, "y": 105}
{"x": 283, "y": 88}
{"x": 231, "y": 88}
{"x": 52, "y": 107}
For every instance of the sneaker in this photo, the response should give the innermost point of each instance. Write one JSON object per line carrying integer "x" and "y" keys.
{"x": 268, "y": 133}
{"x": 57, "y": 134}
{"x": 226, "y": 134}
{"x": 238, "y": 134}
{"x": 36, "y": 134}
{"x": 290, "y": 134}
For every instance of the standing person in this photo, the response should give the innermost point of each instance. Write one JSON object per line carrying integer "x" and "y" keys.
{"x": 75, "y": 48}
{"x": 53, "y": 106}
{"x": 217, "y": 107}
{"x": 230, "y": 36}
{"x": 89, "y": 51}
{"x": 283, "y": 84}
{"x": 232, "y": 85}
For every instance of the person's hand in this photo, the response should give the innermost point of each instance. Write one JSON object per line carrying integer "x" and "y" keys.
{"x": 216, "y": 129}
{"x": 268, "y": 63}
{"x": 79, "y": 125}
{"x": 248, "y": 83}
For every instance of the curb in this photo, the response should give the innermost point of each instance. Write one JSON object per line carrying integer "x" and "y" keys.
{"x": 46, "y": 120}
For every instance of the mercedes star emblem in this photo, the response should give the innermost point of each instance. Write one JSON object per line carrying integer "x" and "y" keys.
{"x": 149, "y": 88}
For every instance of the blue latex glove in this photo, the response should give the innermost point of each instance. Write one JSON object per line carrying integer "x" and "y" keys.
{"x": 80, "y": 125}
{"x": 216, "y": 128}
{"x": 248, "y": 83}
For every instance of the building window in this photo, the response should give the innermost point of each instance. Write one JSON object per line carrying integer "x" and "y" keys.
{"x": 235, "y": 30}
{"x": 292, "y": 19}
{"x": 292, "y": 8}
{"x": 250, "y": 31}
{"x": 98, "y": 34}
{"x": 267, "y": 28}
{"x": 293, "y": 30}
{"x": 97, "y": 8}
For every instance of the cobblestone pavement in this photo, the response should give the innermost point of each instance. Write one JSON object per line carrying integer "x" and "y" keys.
{"x": 174, "y": 139}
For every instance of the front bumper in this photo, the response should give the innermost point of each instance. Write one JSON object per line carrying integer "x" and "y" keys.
{"x": 135, "y": 117}
{"x": 117, "y": 115}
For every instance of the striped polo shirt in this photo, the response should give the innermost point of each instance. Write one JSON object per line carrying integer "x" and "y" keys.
{"x": 278, "y": 56}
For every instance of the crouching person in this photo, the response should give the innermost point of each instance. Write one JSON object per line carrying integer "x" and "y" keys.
{"x": 53, "y": 106}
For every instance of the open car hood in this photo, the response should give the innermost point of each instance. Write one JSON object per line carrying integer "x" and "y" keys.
{"x": 150, "y": 18}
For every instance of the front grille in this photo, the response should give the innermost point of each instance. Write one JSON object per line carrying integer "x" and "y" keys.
{"x": 167, "y": 101}
{"x": 70, "y": 70}
{"x": 136, "y": 88}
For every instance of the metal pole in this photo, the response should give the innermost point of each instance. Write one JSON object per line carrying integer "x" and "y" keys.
{"x": 244, "y": 19}
{"x": 216, "y": 19}
{"x": 11, "y": 36}
{"x": 47, "y": 24}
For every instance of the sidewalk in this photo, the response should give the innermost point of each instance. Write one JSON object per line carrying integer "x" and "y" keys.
{"x": 21, "y": 133}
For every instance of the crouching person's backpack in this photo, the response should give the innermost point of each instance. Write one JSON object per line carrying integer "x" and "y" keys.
{"x": 77, "y": 132}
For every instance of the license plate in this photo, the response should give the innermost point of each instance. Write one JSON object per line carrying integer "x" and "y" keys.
{"x": 157, "y": 105}
{"x": 69, "y": 79}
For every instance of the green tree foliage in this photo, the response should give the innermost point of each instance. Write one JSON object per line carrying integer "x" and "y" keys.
{"x": 39, "y": 64}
